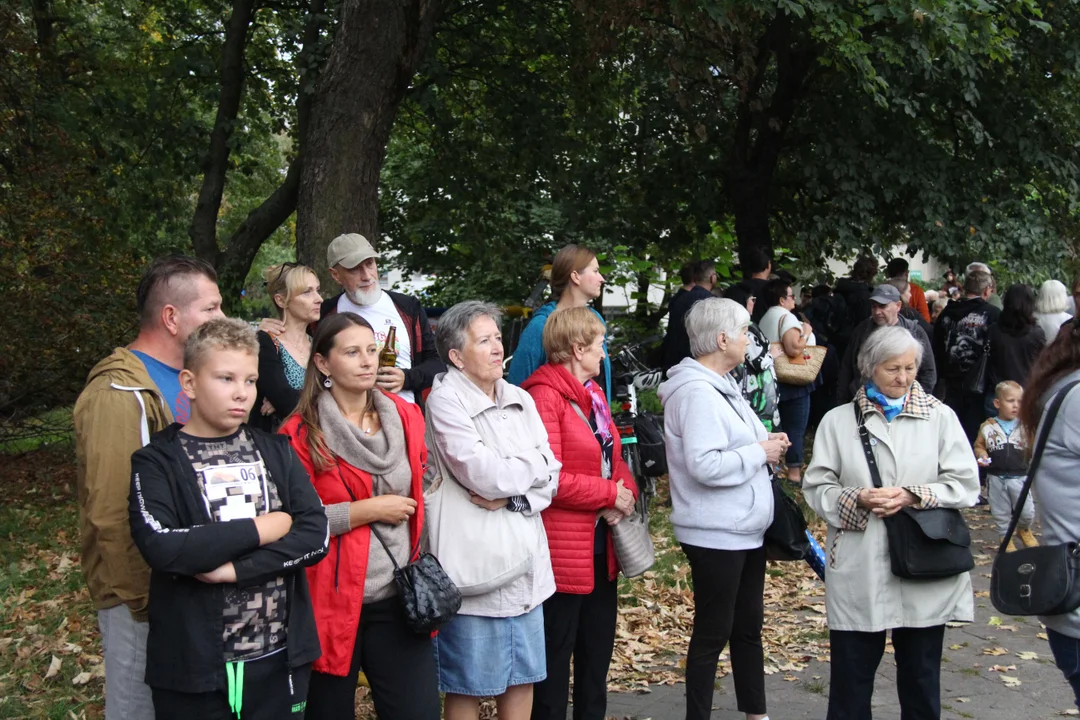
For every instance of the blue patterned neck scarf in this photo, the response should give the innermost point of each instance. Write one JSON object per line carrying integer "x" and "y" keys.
{"x": 890, "y": 407}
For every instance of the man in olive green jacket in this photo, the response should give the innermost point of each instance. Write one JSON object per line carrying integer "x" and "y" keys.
{"x": 128, "y": 397}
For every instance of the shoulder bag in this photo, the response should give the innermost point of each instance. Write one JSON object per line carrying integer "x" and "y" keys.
{"x": 923, "y": 544}
{"x": 801, "y": 370}
{"x": 1039, "y": 580}
{"x": 630, "y": 536}
{"x": 786, "y": 538}
{"x": 427, "y": 593}
{"x": 482, "y": 550}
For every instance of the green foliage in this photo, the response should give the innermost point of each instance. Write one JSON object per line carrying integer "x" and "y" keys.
{"x": 107, "y": 107}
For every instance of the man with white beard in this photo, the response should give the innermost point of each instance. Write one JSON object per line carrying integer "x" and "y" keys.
{"x": 352, "y": 262}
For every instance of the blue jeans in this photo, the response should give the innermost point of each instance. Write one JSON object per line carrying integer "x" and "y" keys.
{"x": 794, "y": 414}
{"x": 1067, "y": 656}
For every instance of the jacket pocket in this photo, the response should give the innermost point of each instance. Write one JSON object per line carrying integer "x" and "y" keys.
{"x": 754, "y": 518}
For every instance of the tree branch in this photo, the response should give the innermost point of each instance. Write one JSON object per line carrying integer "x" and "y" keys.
{"x": 203, "y": 229}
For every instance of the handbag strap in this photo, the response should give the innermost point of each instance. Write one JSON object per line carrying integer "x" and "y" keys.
{"x": 580, "y": 414}
{"x": 379, "y": 537}
{"x": 1036, "y": 459}
{"x": 864, "y": 435}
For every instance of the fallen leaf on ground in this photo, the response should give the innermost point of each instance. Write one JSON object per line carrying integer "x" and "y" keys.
{"x": 994, "y": 620}
{"x": 995, "y": 651}
{"x": 1009, "y": 680}
{"x": 956, "y": 647}
{"x": 54, "y": 667}
{"x": 81, "y": 679}
{"x": 1002, "y": 668}
{"x": 1028, "y": 655}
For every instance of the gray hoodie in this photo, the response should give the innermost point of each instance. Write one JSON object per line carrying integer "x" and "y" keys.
{"x": 721, "y": 494}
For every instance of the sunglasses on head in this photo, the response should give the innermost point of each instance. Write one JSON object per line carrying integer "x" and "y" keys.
{"x": 285, "y": 267}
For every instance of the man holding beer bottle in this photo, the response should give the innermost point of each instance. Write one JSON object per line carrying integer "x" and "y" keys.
{"x": 409, "y": 362}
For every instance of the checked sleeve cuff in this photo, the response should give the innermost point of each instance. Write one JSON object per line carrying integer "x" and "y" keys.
{"x": 927, "y": 499}
{"x": 852, "y": 517}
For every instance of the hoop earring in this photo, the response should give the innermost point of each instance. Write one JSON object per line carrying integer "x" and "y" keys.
{"x": 327, "y": 383}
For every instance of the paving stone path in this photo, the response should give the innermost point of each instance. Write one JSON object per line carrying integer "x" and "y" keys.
{"x": 1033, "y": 688}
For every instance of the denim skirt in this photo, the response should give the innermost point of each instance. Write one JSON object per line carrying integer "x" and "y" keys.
{"x": 482, "y": 656}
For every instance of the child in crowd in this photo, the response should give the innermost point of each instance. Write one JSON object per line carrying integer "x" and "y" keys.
{"x": 227, "y": 519}
{"x": 1000, "y": 447}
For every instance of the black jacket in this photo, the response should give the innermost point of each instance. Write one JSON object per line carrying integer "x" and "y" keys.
{"x": 856, "y": 297}
{"x": 676, "y": 345}
{"x": 960, "y": 336}
{"x": 850, "y": 378}
{"x": 425, "y": 357}
{"x": 742, "y": 291}
{"x": 172, "y": 528}
{"x": 1011, "y": 357}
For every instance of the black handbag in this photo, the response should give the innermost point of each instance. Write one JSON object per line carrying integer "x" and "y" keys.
{"x": 923, "y": 544}
{"x": 977, "y": 377}
{"x": 786, "y": 539}
{"x": 428, "y": 594}
{"x": 1040, "y": 580}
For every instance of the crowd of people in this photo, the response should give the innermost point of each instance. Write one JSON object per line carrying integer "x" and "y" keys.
{"x": 249, "y": 498}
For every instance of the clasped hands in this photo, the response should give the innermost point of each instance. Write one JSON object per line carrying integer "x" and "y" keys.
{"x": 886, "y": 501}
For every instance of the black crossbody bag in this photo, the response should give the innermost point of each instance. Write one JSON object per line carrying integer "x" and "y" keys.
{"x": 1039, "y": 580}
{"x": 430, "y": 598}
{"x": 923, "y": 544}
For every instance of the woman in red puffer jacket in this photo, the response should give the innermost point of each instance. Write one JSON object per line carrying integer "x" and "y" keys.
{"x": 596, "y": 491}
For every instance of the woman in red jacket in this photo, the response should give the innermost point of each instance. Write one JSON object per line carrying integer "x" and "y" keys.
{"x": 365, "y": 452}
{"x": 596, "y": 491}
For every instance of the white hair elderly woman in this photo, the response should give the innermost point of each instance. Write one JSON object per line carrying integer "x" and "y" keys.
{"x": 1052, "y": 308}
{"x": 718, "y": 456}
{"x": 491, "y": 441}
{"x": 925, "y": 462}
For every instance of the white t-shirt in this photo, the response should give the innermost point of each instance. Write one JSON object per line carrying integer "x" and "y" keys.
{"x": 382, "y": 315}
{"x": 778, "y": 321}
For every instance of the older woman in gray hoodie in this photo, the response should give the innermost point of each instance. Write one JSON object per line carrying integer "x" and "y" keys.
{"x": 718, "y": 456}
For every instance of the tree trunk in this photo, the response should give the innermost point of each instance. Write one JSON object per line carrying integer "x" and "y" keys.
{"x": 375, "y": 53}
{"x": 215, "y": 164}
{"x": 760, "y": 128}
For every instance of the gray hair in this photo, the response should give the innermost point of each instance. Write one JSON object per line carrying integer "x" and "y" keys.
{"x": 453, "y": 326}
{"x": 977, "y": 282}
{"x": 1053, "y": 297}
{"x": 978, "y": 267}
{"x": 885, "y": 344}
{"x": 708, "y": 318}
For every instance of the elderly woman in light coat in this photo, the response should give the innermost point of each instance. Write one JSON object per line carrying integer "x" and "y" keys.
{"x": 925, "y": 462}
{"x": 718, "y": 455}
{"x": 490, "y": 440}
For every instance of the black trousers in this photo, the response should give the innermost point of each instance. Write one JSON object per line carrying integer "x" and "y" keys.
{"x": 855, "y": 660}
{"x": 399, "y": 664}
{"x": 729, "y": 606}
{"x": 969, "y": 407}
{"x": 582, "y": 626}
{"x": 270, "y": 692}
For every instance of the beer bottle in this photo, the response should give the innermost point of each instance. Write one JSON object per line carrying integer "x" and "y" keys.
{"x": 388, "y": 355}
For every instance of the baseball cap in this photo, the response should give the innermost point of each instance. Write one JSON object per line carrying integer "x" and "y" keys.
{"x": 885, "y": 294}
{"x": 349, "y": 250}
